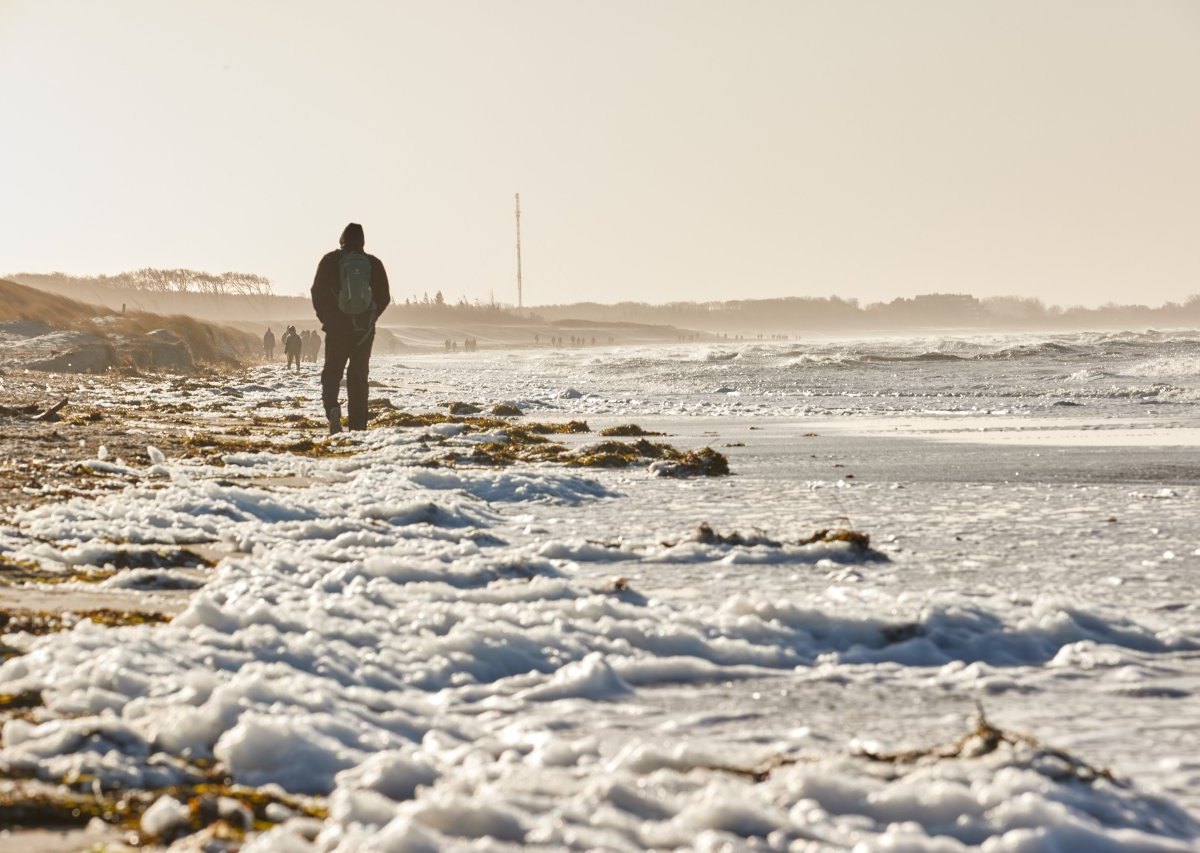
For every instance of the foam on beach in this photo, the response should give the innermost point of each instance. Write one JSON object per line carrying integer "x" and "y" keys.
{"x": 537, "y": 656}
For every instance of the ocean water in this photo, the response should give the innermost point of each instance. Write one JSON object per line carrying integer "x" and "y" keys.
{"x": 540, "y": 656}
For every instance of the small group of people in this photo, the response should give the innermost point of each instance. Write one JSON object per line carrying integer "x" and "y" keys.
{"x": 297, "y": 346}
{"x": 575, "y": 341}
{"x": 469, "y": 345}
{"x": 310, "y": 345}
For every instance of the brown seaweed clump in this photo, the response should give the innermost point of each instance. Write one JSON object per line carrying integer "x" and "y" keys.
{"x": 501, "y": 453}
{"x": 40, "y": 622}
{"x": 210, "y": 448}
{"x": 397, "y": 418}
{"x": 986, "y": 738}
{"x": 861, "y": 541}
{"x": 705, "y": 535}
{"x": 669, "y": 460}
{"x": 223, "y": 811}
{"x": 526, "y": 443}
{"x": 705, "y": 462}
{"x": 627, "y": 431}
{"x": 472, "y": 423}
{"x": 983, "y": 739}
{"x": 606, "y": 454}
{"x": 13, "y": 572}
{"x": 559, "y": 428}
{"x": 860, "y": 544}
{"x": 23, "y": 701}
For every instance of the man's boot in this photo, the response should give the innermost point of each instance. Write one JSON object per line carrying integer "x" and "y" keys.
{"x": 334, "y": 415}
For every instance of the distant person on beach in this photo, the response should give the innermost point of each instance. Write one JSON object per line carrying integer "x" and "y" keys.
{"x": 314, "y": 346}
{"x": 349, "y": 292}
{"x": 293, "y": 345}
{"x": 269, "y": 344}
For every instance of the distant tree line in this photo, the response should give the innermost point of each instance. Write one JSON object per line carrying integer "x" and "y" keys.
{"x": 150, "y": 280}
{"x": 426, "y": 309}
{"x": 785, "y": 314}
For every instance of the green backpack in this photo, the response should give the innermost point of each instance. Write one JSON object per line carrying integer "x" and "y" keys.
{"x": 354, "y": 296}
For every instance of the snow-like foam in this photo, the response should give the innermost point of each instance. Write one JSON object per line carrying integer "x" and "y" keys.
{"x": 537, "y": 656}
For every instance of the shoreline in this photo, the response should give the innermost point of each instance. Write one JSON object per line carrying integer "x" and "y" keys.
{"x": 992, "y": 429}
{"x": 790, "y": 474}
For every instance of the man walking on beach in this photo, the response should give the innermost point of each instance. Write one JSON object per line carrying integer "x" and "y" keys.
{"x": 349, "y": 292}
{"x": 269, "y": 344}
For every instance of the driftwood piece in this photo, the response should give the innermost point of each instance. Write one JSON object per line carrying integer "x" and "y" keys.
{"x": 18, "y": 411}
{"x": 51, "y": 414}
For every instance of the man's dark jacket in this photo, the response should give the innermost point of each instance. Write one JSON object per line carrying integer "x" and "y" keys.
{"x": 327, "y": 283}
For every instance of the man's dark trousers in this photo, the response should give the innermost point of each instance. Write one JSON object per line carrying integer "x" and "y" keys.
{"x": 344, "y": 355}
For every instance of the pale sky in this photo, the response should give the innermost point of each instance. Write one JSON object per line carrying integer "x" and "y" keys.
{"x": 663, "y": 150}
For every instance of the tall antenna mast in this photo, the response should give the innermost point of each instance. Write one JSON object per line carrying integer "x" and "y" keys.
{"x": 520, "y": 300}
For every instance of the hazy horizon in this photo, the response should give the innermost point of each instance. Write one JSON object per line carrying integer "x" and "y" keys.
{"x": 664, "y": 152}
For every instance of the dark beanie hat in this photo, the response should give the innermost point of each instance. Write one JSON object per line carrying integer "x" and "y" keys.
{"x": 352, "y": 237}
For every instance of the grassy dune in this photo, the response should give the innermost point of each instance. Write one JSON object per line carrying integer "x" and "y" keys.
{"x": 209, "y": 343}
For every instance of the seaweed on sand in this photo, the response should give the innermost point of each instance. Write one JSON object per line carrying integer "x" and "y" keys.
{"x": 525, "y": 443}
{"x": 705, "y": 535}
{"x": 670, "y": 461}
{"x": 214, "y": 804}
{"x": 399, "y": 418}
{"x": 606, "y": 454}
{"x": 12, "y": 565}
{"x": 211, "y": 448}
{"x": 45, "y": 809}
{"x": 40, "y": 622}
{"x": 298, "y": 421}
{"x": 308, "y": 447}
{"x": 983, "y": 739}
{"x": 628, "y": 431}
{"x": 15, "y": 571}
{"x": 22, "y": 701}
{"x": 135, "y": 557}
{"x": 705, "y": 462}
{"x": 559, "y": 428}
{"x": 860, "y": 541}
{"x": 506, "y": 453}
{"x": 473, "y": 423}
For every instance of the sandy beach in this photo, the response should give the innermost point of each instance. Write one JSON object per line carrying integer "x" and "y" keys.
{"x": 420, "y": 641}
